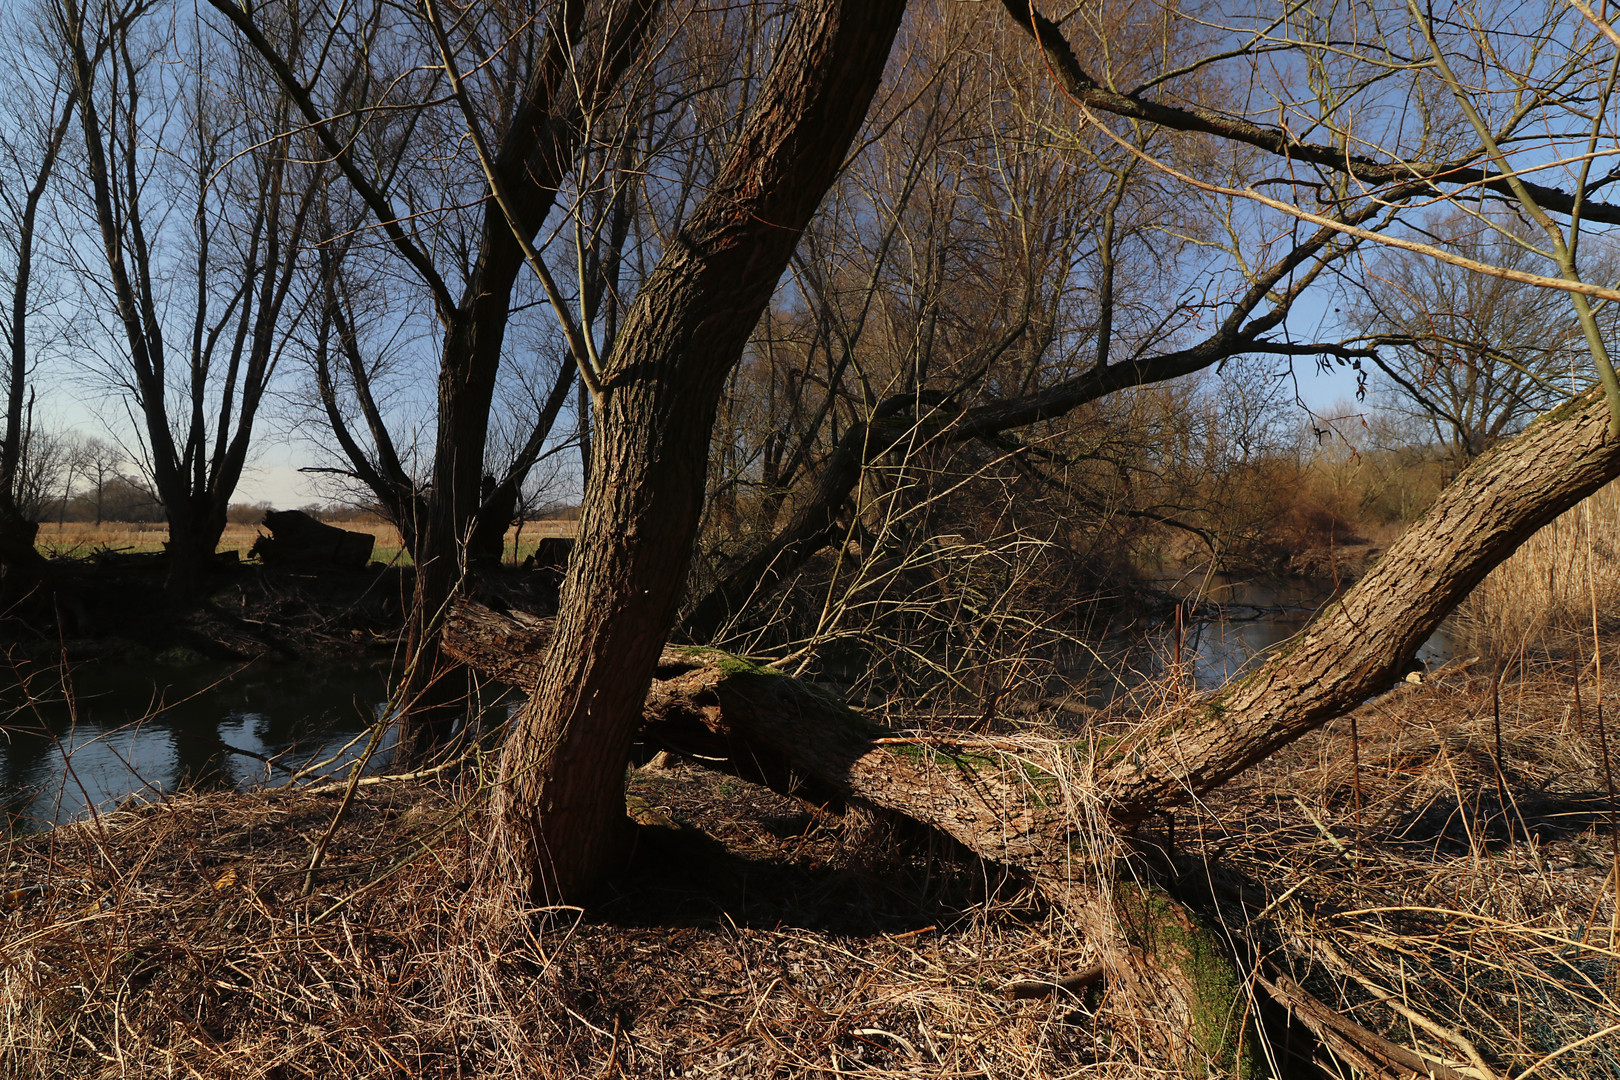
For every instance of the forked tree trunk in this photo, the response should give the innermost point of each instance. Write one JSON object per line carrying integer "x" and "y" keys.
{"x": 559, "y": 806}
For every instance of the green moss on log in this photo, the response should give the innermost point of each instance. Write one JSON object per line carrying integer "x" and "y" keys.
{"x": 1192, "y": 954}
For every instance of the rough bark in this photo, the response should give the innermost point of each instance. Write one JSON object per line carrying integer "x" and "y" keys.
{"x": 1052, "y": 810}
{"x": 795, "y": 727}
{"x": 537, "y": 152}
{"x": 1005, "y": 801}
{"x": 1351, "y": 652}
{"x": 559, "y": 806}
{"x": 1356, "y": 647}
{"x": 578, "y": 67}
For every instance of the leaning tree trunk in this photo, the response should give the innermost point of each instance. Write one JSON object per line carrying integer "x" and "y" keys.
{"x": 559, "y": 806}
{"x": 1357, "y": 645}
{"x": 1052, "y": 811}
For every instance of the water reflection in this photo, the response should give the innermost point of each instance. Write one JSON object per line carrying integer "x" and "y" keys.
{"x": 118, "y": 730}
{"x": 1254, "y": 617}
{"x": 115, "y": 730}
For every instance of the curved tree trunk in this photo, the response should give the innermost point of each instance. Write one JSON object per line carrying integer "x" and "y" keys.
{"x": 537, "y": 152}
{"x": 1050, "y": 810}
{"x": 1354, "y": 650}
{"x": 559, "y": 807}
{"x": 1357, "y": 646}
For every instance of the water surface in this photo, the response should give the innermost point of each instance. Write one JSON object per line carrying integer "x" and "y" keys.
{"x": 1255, "y": 616}
{"x": 116, "y": 730}
{"x": 112, "y": 730}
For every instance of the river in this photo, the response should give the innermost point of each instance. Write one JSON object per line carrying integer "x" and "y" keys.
{"x": 117, "y": 730}
{"x": 1256, "y": 615}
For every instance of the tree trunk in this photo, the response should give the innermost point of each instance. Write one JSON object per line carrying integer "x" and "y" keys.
{"x": 1357, "y": 646}
{"x": 430, "y": 699}
{"x": 559, "y": 805}
{"x": 22, "y": 567}
{"x": 1053, "y": 812}
{"x": 298, "y": 541}
{"x": 536, "y": 154}
{"x": 193, "y": 538}
{"x": 1354, "y": 650}
{"x": 996, "y": 797}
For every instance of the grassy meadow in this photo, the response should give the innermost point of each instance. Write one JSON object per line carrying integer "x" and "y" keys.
{"x": 77, "y": 539}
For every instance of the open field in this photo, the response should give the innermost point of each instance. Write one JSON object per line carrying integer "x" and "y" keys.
{"x": 78, "y": 539}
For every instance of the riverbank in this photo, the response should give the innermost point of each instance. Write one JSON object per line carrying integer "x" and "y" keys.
{"x": 1379, "y": 862}
{"x": 113, "y": 606}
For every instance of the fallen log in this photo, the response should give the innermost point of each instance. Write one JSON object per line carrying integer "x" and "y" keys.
{"x": 1013, "y": 802}
{"x": 992, "y": 796}
{"x": 1053, "y": 810}
{"x": 298, "y": 541}
{"x": 1017, "y": 803}
{"x": 1368, "y": 1050}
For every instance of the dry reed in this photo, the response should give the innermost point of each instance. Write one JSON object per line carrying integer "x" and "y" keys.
{"x": 1540, "y": 600}
{"x": 1466, "y": 906}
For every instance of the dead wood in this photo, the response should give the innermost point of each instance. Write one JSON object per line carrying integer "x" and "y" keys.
{"x": 1076, "y": 984}
{"x": 297, "y": 540}
{"x": 1368, "y": 1050}
{"x": 788, "y": 726}
{"x": 1006, "y": 802}
{"x": 1360, "y": 643}
{"x": 1052, "y": 810}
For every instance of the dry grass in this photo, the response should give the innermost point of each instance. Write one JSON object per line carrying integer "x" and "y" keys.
{"x": 173, "y": 941}
{"x": 1450, "y": 891}
{"x": 77, "y": 539}
{"x": 758, "y": 938}
{"x": 1541, "y": 598}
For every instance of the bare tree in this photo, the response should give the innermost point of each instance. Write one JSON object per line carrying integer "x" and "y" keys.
{"x": 245, "y": 196}
{"x": 656, "y": 392}
{"x": 1475, "y": 356}
{"x": 557, "y": 801}
{"x": 559, "y": 809}
{"x": 99, "y": 462}
{"x": 1037, "y": 269}
{"x": 43, "y": 101}
{"x": 380, "y": 109}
